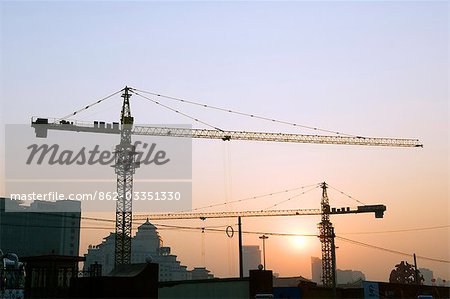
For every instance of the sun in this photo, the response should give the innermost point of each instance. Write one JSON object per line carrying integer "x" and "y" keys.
{"x": 299, "y": 242}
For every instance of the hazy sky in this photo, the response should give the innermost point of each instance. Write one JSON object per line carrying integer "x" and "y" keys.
{"x": 365, "y": 68}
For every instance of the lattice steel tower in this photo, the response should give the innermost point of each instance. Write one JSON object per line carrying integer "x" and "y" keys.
{"x": 125, "y": 166}
{"x": 327, "y": 240}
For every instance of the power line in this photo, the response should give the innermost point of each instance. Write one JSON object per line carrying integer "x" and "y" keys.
{"x": 54, "y": 226}
{"x": 315, "y": 235}
{"x": 71, "y": 216}
{"x": 136, "y": 226}
{"x": 244, "y": 232}
{"x": 391, "y": 250}
{"x": 216, "y": 229}
{"x": 243, "y": 113}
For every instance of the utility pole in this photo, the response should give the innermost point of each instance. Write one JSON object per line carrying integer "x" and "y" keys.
{"x": 333, "y": 262}
{"x": 241, "y": 260}
{"x": 264, "y": 237}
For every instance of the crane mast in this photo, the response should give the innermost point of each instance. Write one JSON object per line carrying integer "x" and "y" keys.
{"x": 125, "y": 166}
{"x": 326, "y": 236}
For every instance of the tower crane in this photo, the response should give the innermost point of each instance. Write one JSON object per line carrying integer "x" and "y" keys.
{"x": 326, "y": 230}
{"x": 125, "y": 163}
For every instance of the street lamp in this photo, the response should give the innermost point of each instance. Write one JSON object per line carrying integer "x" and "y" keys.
{"x": 264, "y": 237}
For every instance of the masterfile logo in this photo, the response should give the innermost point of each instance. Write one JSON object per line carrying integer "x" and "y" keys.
{"x": 86, "y": 167}
{"x": 53, "y": 154}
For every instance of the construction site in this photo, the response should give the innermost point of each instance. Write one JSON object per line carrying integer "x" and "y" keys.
{"x": 145, "y": 280}
{"x": 224, "y": 150}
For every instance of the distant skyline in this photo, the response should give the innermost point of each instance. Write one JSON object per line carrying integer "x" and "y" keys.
{"x": 367, "y": 68}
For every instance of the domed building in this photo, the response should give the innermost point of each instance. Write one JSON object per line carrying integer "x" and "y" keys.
{"x": 146, "y": 246}
{"x": 146, "y": 243}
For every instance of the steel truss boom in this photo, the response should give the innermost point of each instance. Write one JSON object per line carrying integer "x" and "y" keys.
{"x": 377, "y": 209}
{"x": 43, "y": 124}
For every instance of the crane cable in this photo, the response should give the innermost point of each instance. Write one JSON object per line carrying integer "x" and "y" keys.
{"x": 88, "y": 106}
{"x": 397, "y": 230}
{"x": 135, "y": 91}
{"x": 249, "y": 198}
{"x": 176, "y": 111}
{"x": 243, "y": 113}
{"x": 292, "y": 197}
{"x": 349, "y": 196}
{"x": 227, "y": 171}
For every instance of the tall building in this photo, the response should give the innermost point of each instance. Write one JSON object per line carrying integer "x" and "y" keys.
{"x": 146, "y": 246}
{"x": 348, "y": 276}
{"x": 42, "y": 228}
{"x": 251, "y": 255}
{"x": 316, "y": 269}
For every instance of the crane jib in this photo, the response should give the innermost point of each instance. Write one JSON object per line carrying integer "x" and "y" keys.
{"x": 378, "y": 210}
{"x": 42, "y": 125}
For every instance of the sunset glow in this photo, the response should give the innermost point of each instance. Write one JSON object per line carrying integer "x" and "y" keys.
{"x": 299, "y": 242}
{"x": 354, "y": 69}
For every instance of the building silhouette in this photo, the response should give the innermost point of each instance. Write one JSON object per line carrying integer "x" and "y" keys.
{"x": 342, "y": 276}
{"x": 199, "y": 273}
{"x": 146, "y": 246}
{"x": 427, "y": 276}
{"x": 251, "y": 255}
{"x": 348, "y": 276}
{"x": 316, "y": 269}
{"x": 42, "y": 228}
